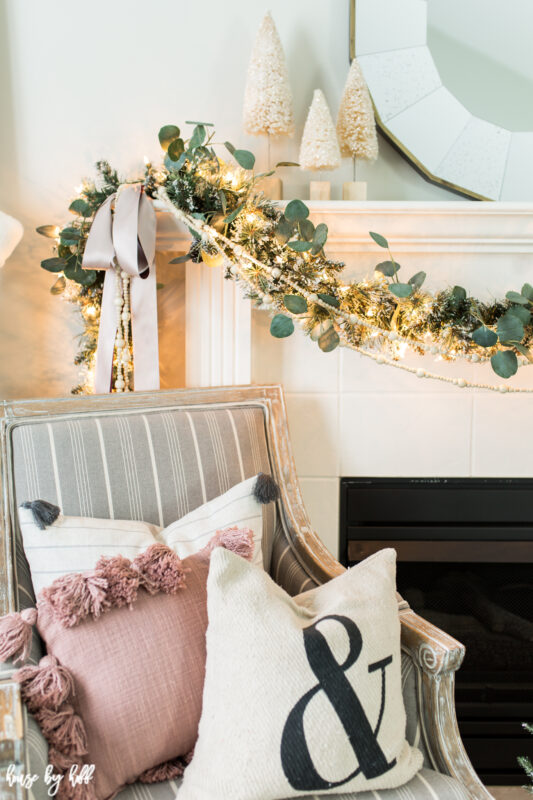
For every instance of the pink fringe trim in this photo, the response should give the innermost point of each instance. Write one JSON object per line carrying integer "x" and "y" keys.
{"x": 160, "y": 569}
{"x": 76, "y": 596}
{"x": 15, "y": 634}
{"x": 165, "y": 771}
{"x": 45, "y": 686}
{"x": 64, "y": 730}
{"x": 238, "y": 540}
{"x": 122, "y": 580}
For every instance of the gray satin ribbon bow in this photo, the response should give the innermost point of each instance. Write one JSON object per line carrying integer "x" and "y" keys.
{"x": 129, "y": 236}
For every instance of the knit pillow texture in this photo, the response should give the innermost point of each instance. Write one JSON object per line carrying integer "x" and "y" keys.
{"x": 121, "y": 685}
{"x": 313, "y": 703}
{"x": 63, "y": 544}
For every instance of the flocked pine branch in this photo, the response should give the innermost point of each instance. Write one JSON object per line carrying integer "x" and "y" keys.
{"x": 526, "y": 763}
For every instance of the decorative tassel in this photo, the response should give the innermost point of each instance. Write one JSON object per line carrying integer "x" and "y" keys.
{"x": 73, "y": 597}
{"x": 64, "y": 730}
{"x": 60, "y": 761}
{"x": 44, "y": 513}
{"x": 45, "y": 686}
{"x": 160, "y": 569}
{"x": 164, "y": 772}
{"x": 266, "y": 490}
{"x": 239, "y": 540}
{"x": 15, "y": 634}
{"x": 122, "y": 580}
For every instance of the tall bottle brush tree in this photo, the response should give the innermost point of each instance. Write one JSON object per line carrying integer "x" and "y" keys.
{"x": 319, "y": 149}
{"x": 356, "y": 125}
{"x": 268, "y": 105}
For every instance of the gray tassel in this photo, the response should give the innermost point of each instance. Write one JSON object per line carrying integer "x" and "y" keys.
{"x": 266, "y": 490}
{"x": 43, "y": 513}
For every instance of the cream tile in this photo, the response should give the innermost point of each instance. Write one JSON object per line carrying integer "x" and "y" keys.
{"x": 321, "y": 498}
{"x": 405, "y": 435}
{"x": 296, "y": 362}
{"x": 313, "y": 425}
{"x": 502, "y": 436}
{"x": 359, "y": 373}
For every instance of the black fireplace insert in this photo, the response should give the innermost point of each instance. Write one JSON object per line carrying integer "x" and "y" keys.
{"x": 465, "y": 563}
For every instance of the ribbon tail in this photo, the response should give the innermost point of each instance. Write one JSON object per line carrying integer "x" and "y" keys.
{"x": 103, "y": 376}
{"x": 144, "y": 332}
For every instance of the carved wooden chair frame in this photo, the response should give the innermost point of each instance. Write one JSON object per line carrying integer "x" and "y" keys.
{"x": 436, "y": 655}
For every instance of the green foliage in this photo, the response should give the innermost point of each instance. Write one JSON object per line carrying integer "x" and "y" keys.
{"x": 379, "y": 239}
{"x": 387, "y": 268}
{"x": 296, "y": 211}
{"x": 54, "y": 264}
{"x": 50, "y": 231}
{"x": 516, "y": 297}
{"x": 80, "y": 207}
{"x": 458, "y": 294}
{"x": 299, "y": 246}
{"x": 167, "y": 134}
{"x": 510, "y": 329}
{"x": 329, "y": 299}
{"x": 401, "y": 290}
{"x": 417, "y": 280}
{"x": 329, "y": 340}
{"x": 484, "y": 337}
{"x": 295, "y": 304}
{"x": 281, "y": 326}
{"x": 504, "y": 363}
{"x": 244, "y": 158}
{"x": 175, "y": 149}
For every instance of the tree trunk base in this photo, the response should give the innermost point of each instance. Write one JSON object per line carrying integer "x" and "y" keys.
{"x": 319, "y": 190}
{"x": 272, "y": 187}
{"x": 354, "y": 190}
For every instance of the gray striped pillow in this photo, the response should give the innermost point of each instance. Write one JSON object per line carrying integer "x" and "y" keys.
{"x": 74, "y": 544}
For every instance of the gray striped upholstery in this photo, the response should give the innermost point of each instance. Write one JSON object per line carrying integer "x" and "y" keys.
{"x": 426, "y": 785}
{"x": 157, "y": 465}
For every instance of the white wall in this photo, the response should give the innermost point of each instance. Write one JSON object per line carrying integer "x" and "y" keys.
{"x": 84, "y": 81}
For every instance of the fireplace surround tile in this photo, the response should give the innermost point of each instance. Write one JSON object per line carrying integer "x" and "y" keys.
{"x": 502, "y": 436}
{"x": 382, "y": 436}
{"x": 313, "y": 424}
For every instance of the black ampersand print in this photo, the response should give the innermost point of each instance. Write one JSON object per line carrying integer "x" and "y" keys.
{"x": 295, "y": 757}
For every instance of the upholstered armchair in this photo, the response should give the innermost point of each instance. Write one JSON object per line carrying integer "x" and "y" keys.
{"x": 156, "y": 456}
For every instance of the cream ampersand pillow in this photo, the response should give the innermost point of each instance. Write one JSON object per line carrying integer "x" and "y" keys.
{"x": 302, "y": 695}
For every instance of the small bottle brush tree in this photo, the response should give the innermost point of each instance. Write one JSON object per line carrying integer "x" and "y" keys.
{"x": 526, "y": 763}
{"x": 319, "y": 149}
{"x": 268, "y": 108}
{"x": 356, "y": 128}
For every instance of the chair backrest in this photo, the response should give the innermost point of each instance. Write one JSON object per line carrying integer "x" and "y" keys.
{"x": 148, "y": 456}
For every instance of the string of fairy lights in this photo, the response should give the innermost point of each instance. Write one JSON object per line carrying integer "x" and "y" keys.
{"x": 343, "y": 319}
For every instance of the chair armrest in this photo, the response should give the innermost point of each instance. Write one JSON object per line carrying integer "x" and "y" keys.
{"x": 12, "y": 750}
{"x": 437, "y": 656}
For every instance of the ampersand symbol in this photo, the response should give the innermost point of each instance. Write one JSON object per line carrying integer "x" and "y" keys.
{"x": 295, "y": 757}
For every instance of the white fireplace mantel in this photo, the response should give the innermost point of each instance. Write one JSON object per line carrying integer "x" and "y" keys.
{"x": 478, "y": 241}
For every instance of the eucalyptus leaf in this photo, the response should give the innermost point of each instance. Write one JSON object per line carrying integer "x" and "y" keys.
{"x": 321, "y": 235}
{"x": 175, "y": 165}
{"x": 300, "y": 247}
{"x": 244, "y": 159}
{"x": 281, "y": 326}
{"x": 193, "y": 122}
{"x": 484, "y": 337}
{"x": 180, "y": 259}
{"x": 296, "y": 211}
{"x": 458, "y": 294}
{"x": 230, "y": 147}
{"x": 223, "y": 201}
{"x": 524, "y": 350}
{"x": 58, "y": 286}
{"x": 284, "y": 230}
{"x": 515, "y": 297}
{"x": 307, "y": 230}
{"x": 329, "y": 299}
{"x": 504, "y": 363}
{"x": 295, "y": 304}
{"x": 54, "y": 264}
{"x": 80, "y": 207}
{"x": 401, "y": 290}
{"x": 418, "y": 279}
{"x": 388, "y": 268}
{"x": 510, "y": 329}
{"x": 520, "y": 313}
{"x": 287, "y": 164}
{"x": 198, "y": 137}
{"x": 70, "y": 234}
{"x": 167, "y": 134}
{"x": 50, "y": 231}
{"x": 329, "y": 340}
{"x": 379, "y": 239}
{"x": 74, "y": 272}
{"x": 175, "y": 149}
{"x": 234, "y": 214}
{"x": 527, "y": 291}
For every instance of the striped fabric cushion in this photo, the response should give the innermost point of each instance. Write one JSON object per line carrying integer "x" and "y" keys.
{"x": 426, "y": 785}
{"x": 74, "y": 544}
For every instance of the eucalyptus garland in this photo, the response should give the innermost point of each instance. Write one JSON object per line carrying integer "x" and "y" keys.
{"x": 277, "y": 255}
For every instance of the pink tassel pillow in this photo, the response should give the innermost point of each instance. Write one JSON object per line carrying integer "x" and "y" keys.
{"x": 121, "y": 685}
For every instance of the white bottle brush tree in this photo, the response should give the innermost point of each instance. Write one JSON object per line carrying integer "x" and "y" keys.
{"x": 319, "y": 149}
{"x": 356, "y": 126}
{"x": 268, "y": 108}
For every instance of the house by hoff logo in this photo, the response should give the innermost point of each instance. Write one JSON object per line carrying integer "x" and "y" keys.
{"x": 363, "y": 738}
{"x": 75, "y": 776}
